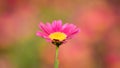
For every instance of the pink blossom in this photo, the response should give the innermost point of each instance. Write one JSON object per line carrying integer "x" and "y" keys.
{"x": 56, "y": 31}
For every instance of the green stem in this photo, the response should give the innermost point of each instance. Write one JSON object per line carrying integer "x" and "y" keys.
{"x": 56, "y": 63}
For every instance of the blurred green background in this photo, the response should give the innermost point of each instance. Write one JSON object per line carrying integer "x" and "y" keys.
{"x": 96, "y": 46}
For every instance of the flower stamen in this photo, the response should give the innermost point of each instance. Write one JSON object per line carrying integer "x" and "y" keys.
{"x": 58, "y": 36}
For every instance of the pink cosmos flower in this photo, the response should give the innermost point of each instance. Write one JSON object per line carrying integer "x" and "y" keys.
{"x": 56, "y": 32}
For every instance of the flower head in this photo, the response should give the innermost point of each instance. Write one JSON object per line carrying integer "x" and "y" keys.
{"x": 56, "y": 32}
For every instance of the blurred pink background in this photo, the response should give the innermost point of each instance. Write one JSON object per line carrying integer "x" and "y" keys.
{"x": 96, "y": 46}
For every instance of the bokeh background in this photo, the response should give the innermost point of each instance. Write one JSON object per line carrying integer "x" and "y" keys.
{"x": 96, "y": 46}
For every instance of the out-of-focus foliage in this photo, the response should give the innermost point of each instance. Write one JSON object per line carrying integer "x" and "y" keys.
{"x": 96, "y": 46}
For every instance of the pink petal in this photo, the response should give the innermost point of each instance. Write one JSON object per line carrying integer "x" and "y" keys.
{"x": 74, "y": 32}
{"x": 54, "y": 26}
{"x": 64, "y": 27}
{"x": 67, "y": 28}
{"x": 71, "y": 28}
{"x": 48, "y": 40}
{"x": 49, "y": 26}
{"x": 38, "y": 33}
{"x": 58, "y": 25}
{"x": 44, "y": 28}
{"x": 41, "y": 34}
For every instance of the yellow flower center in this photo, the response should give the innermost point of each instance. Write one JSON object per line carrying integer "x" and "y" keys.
{"x": 58, "y": 36}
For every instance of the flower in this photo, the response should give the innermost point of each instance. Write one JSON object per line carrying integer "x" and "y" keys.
{"x": 56, "y": 32}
